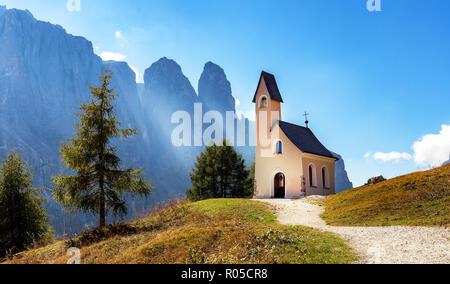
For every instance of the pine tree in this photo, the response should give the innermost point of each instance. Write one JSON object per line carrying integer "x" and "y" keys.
{"x": 220, "y": 172}
{"x": 226, "y": 168}
{"x": 22, "y": 219}
{"x": 100, "y": 183}
{"x": 204, "y": 178}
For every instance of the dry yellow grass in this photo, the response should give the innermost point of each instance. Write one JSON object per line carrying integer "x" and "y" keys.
{"x": 208, "y": 232}
{"x": 418, "y": 199}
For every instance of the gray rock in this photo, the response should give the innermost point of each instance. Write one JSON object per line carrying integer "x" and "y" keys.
{"x": 214, "y": 89}
{"x": 375, "y": 180}
{"x": 342, "y": 181}
{"x": 44, "y": 75}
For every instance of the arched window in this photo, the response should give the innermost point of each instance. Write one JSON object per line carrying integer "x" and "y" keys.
{"x": 263, "y": 103}
{"x": 312, "y": 176}
{"x": 279, "y": 147}
{"x": 325, "y": 178}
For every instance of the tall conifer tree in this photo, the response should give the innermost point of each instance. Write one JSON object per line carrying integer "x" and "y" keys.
{"x": 100, "y": 184}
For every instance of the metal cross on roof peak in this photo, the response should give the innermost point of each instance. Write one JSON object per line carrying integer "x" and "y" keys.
{"x": 306, "y": 118}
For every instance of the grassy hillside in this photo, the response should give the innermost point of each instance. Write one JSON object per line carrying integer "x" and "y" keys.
{"x": 213, "y": 231}
{"x": 418, "y": 199}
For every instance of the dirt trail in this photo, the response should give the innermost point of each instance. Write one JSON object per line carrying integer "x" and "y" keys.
{"x": 376, "y": 245}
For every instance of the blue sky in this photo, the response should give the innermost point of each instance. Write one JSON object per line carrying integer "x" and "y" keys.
{"x": 373, "y": 82}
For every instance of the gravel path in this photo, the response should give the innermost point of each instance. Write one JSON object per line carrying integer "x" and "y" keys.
{"x": 375, "y": 245}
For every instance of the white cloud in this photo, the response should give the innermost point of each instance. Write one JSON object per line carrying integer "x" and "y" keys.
{"x": 118, "y": 35}
{"x": 238, "y": 103}
{"x": 73, "y": 5}
{"x": 433, "y": 149}
{"x": 112, "y": 56}
{"x": 121, "y": 38}
{"x": 393, "y": 156}
{"x": 138, "y": 74}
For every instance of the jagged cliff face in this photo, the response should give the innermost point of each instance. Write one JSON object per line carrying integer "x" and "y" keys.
{"x": 166, "y": 91}
{"x": 124, "y": 84}
{"x": 44, "y": 76}
{"x": 214, "y": 89}
{"x": 134, "y": 150}
{"x": 41, "y": 63}
{"x": 215, "y": 93}
{"x": 342, "y": 180}
{"x": 165, "y": 81}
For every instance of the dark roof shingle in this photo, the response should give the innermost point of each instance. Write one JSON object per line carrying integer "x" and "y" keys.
{"x": 272, "y": 87}
{"x": 305, "y": 140}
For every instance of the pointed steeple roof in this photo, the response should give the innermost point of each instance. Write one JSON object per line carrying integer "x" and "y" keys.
{"x": 271, "y": 85}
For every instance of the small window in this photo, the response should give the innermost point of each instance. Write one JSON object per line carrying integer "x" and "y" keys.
{"x": 325, "y": 178}
{"x": 279, "y": 147}
{"x": 263, "y": 102}
{"x": 324, "y": 181}
{"x": 312, "y": 176}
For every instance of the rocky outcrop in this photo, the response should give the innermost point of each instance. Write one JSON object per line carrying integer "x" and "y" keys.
{"x": 342, "y": 181}
{"x": 375, "y": 180}
{"x": 214, "y": 89}
{"x": 166, "y": 88}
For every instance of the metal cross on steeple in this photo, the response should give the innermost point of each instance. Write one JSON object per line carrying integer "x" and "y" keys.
{"x": 306, "y": 119}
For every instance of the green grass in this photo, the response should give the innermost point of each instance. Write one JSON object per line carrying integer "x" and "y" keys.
{"x": 418, "y": 199}
{"x": 225, "y": 231}
{"x": 236, "y": 208}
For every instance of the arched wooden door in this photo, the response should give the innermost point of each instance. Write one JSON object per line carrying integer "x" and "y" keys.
{"x": 280, "y": 186}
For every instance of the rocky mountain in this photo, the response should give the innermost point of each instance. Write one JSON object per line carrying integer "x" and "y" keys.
{"x": 214, "y": 89}
{"x": 215, "y": 94}
{"x": 165, "y": 81}
{"x": 124, "y": 84}
{"x": 129, "y": 110}
{"x": 45, "y": 74}
{"x": 342, "y": 180}
{"x": 166, "y": 91}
